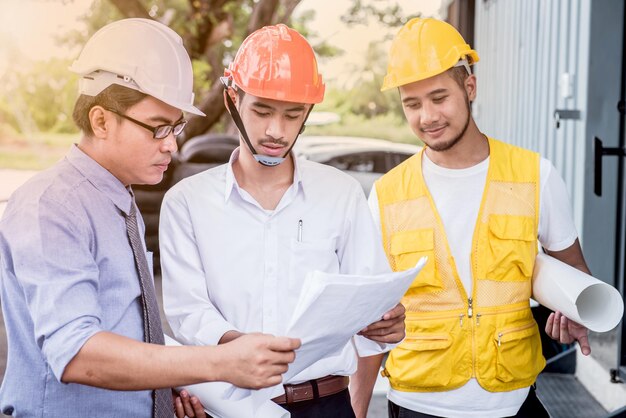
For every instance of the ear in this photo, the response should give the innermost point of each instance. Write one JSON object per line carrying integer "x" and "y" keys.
{"x": 470, "y": 87}
{"x": 99, "y": 120}
{"x": 233, "y": 96}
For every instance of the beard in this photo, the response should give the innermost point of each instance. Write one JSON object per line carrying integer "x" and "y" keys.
{"x": 444, "y": 146}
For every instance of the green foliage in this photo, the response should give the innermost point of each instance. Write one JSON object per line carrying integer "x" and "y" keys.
{"x": 364, "y": 96}
{"x": 40, "y": 97}
{"x": 386, "y": 12}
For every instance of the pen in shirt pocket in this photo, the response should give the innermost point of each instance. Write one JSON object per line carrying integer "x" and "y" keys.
{"x": 300, "y": 230}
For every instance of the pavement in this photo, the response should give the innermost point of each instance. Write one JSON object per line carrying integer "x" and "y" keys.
{"x": 12, "y": 179}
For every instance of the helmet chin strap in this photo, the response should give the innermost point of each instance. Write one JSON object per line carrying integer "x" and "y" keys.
{"x": 265, "y": 160}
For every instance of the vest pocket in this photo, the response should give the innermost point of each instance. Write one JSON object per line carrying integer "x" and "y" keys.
{"x": 512, "y": 247}
{"x": 518, "y": 352}
{"x": 414, "y": 360}
{"x": 407, "y": 247}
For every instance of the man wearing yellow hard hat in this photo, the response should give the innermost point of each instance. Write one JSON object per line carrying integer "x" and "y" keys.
{"x": 476, "y": 207}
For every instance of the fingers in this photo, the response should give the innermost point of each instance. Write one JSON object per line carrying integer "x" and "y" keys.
{"x": 396, "y": 312}
{"x": 198, "y": 408}
{"x": 178, "y": 407}
{"x": 185, "y": 398}
{"x": 585, "y": 348}
{"x": 383, "y": 325}
{"x": 387, "y": 338}
{"x": 565, "y": 338}
{"x": 283, "y": 343}
{"x": 562, "y": 329}
{"x": 188, "y": 406}
{"x": 549, "y": 323}
{"x": 259, "y": 361}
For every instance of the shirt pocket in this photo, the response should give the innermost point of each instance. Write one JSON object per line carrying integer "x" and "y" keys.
{"x": 518, "y": 352}
{"x": 413, "y": 360}
{"x": 315, "y": 254}
{"x": 512, "y": 247}
{"x": 407, "y": 247}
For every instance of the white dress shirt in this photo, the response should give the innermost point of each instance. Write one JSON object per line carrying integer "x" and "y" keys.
{"x": 229, "y": 264}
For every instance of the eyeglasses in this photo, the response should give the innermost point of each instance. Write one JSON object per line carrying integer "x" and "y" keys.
{"x": 158, "y": 132}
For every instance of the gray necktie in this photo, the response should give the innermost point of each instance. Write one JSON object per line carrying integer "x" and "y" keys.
{"x": 153, "y": 333}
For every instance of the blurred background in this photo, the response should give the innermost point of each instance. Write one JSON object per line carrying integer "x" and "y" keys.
{"x": 39, "y": 39}
{"x": 552, "y": 78}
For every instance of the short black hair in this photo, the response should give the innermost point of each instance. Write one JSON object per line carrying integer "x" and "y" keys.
{"x": 459, "y": 74}
{"x": 116, "y": 97}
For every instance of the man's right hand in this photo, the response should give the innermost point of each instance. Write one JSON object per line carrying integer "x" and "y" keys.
{"x": 256, "y": 361}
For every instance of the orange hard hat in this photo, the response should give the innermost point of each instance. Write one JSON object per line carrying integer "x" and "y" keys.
{"x": 276, "y": 62}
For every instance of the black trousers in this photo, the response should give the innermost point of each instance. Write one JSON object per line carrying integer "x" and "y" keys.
{"x": 531, "y": 408}
{"x": 335, "y": 406}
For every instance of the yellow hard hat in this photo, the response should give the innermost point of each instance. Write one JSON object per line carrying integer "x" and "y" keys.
{"x": 422, "y": 49}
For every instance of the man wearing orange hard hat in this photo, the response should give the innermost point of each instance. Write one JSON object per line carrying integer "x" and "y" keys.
{"x": 476, "y": 207}
{"x": 237, "y": 240}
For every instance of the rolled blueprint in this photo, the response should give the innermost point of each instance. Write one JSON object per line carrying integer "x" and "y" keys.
{"x": 210, "y": 395}
{"x": 577, "y": 295}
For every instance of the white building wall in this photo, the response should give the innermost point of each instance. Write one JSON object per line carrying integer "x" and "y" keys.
{"x": 525, "y": 47}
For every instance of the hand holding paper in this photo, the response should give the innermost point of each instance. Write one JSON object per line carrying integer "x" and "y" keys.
{"x": 332, "y": 309}
{"x": 566, "y": 331}
{"x": 579, "y": 296}
{"x": 390, "y": 329}
{"x": 210, "y": 394}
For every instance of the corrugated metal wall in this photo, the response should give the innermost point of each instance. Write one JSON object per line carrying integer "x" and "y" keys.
{"x": 525, "y": 47}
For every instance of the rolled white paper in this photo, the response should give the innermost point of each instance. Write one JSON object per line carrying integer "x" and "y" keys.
{"x": 577, "y": 295}
{"x": 210, "y": 395}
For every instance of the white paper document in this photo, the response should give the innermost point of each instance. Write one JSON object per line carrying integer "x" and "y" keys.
{"x": 211, "y": 397}
{"x": 577, "y": 295}
{"x": 332, "y": 308}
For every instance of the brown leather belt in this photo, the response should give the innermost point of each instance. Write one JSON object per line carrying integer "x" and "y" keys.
{"x": 313, "y": 389}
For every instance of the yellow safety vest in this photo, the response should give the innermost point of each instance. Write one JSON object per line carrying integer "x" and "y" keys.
{"x": 491, "y": 336}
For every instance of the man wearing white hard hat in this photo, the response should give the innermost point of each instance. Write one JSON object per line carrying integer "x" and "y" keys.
{"x": 83, "y": 326}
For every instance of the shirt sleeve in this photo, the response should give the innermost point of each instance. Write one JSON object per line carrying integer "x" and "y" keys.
{"x": 557, "y": 230}
{"x": 361, "y": 252}
{"x": 372, "y": 202}
{"x": 53, "y": 264}
{"x": 189, "y": 310}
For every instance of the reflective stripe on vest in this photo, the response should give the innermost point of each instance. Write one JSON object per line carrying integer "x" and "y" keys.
{"x": 450, "y": 338}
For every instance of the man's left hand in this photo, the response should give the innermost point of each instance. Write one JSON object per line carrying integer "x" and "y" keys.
{"x": 390, "y": 329}
{"x": 566, "y": 331}
{"x": 187, "y": 406}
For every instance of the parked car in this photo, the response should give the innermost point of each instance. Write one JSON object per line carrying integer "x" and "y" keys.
{"x": 366, "y": 159}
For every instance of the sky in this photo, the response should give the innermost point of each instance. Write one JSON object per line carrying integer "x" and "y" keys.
{"x": 30, "y": 26}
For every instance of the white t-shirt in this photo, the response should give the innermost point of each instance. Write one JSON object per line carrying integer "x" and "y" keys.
{"x": 457, "y": 195}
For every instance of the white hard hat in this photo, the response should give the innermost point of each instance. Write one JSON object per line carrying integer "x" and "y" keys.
{"x": 141, "y": 54}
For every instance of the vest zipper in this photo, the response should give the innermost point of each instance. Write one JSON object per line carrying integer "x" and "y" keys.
{"x": 461, "y": 319}
{"x": 510, "y": 330}
{"x": 469, "y": 307}
{"x": 478, "y": 319}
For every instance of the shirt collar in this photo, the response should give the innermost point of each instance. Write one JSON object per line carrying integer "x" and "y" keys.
{"x": 231, "y": 181}
{"x": 101, "y": 178}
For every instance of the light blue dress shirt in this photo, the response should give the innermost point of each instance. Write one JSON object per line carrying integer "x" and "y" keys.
{"x": 67, "y": 272}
